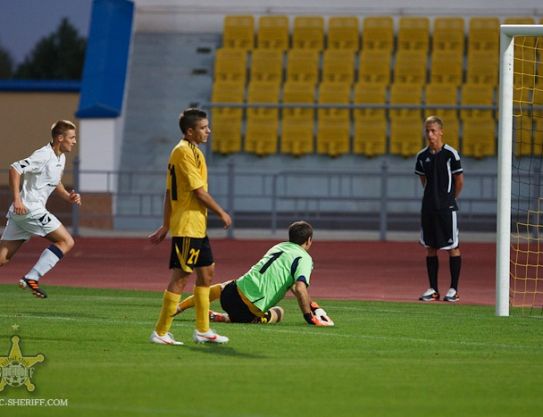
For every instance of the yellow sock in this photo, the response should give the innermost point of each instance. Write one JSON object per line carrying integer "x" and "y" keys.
{"x": 169, "y": 305}
{"x": 201, "y": 303}
{"x": 214, "y": 293}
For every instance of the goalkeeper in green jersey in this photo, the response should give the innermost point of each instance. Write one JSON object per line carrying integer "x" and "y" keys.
{"x": 253, "y": 297}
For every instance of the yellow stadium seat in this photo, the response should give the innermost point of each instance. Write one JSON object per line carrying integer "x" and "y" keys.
{"x": 297, "y": 130}
{"x": 373, "y": 94}
{"x": 410, "y": 67}
{"x": 537, "y": 100}
{"x": 522, "y": 98}
{"x": 451, "y": 132}
{"x": 308, "y": 33}
{"x": 438, "y": 94}
{"x": 378, "y": 33}
{"x": 473, "y": 95}
{"x": 406, "y": 137}
{"x": 479, "y": 138}
{"x": 447, "y": 67}
{"x": 538, "y": 138}
{"x": 523, "y": 131}
{"x": 226, "y": 121}
{"x": 273, "y": 33}
{"x": 370, "y": 137}
{"x": 230, "y": 65}
{"x": 267, "y": 65}
{"x": 537, "y": 115}
{"x": 448, "y": 34}
{"x": 444, "y": 94}
{"x": 262, "y": 122}
{"x": 484, "y": 34}
{"x": 370, "y": 124}
{"x": 479, "y": 126}
{"x": 414, "y": 33}
{"x": 303, "y": 65}
{"x": 483, "y": 67}
{"x": 334, "y": 129}
{"x": 405, "y": 123}
{"x": 338, "y": 66}
{"x": 343, "y": 33}
{"x": 519, "y": 20}
{"x": 239, "y": 32}
{"x": 374, "y": 67}
{"x": 525, "y": 62}
{"x": 410, "y": 94}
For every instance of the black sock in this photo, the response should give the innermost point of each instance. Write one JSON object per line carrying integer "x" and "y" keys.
{"x": 432, "y": 265}
{"x": 455, "y": 263}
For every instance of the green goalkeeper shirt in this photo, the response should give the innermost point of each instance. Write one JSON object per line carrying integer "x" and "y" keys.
{"x": 267, "y": 282}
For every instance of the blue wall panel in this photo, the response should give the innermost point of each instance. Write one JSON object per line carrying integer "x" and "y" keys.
{"x": 106, "y": 59}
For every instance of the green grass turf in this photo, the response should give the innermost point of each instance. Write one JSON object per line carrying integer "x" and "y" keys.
{"x": 381, "y": 359}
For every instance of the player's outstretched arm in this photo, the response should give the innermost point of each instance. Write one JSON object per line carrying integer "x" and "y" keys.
{"x": 304, "y": 302}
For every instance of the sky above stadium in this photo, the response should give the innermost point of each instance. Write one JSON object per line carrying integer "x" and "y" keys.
{"x": 24, "y": 22}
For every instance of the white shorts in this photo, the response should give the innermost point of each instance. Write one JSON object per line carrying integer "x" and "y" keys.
{"x": 35, "y": 223}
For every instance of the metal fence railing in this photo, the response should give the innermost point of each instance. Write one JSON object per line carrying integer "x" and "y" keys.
{"x": 382, "y": 199}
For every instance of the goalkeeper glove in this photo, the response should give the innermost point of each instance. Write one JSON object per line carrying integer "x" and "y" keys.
{"x": 321, "y": 314}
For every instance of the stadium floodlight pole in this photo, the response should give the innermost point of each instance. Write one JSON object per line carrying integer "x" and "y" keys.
{"x": 505, "y": 159}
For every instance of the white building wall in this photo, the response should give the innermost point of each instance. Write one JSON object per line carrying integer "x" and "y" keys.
{"x": 100, "y": 153}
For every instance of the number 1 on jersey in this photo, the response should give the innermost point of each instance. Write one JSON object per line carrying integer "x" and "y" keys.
{"x": 173, "y": 191}
{"x": 272, "y": 259}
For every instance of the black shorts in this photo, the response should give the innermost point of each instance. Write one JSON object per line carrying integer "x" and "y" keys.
{"x": 190, "y": 252}
{"x": 232, "y": 303}
{"x": 439, "y": 230}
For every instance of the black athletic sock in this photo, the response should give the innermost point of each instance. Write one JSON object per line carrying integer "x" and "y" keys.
{"x": 455, "y": 263}
{"x": 432, "y": 265}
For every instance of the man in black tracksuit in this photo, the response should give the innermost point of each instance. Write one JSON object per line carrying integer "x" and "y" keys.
{"x": 440, "y": 171}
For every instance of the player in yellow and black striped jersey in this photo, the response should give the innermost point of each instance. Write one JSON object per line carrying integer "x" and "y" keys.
{"x": 185, "y": 217}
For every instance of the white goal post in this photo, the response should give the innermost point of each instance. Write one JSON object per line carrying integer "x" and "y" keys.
{"x": 505, "y": 159}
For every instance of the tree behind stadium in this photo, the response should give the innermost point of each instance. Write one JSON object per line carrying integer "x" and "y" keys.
{"x": 6, "y": 64}
{"x": 59, "y": 56}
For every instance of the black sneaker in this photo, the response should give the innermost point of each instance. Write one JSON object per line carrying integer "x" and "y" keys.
{"x": 33, "y": 286}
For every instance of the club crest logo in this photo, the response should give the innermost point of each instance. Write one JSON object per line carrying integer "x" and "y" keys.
{"x": 16, "y": 370}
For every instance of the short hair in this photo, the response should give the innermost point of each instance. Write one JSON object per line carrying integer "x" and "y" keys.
{"x": 60, "y": 127}
{"x": 299, "y": 232}
{"x": 434, "y": 119}
{"x": 189, "y": 118}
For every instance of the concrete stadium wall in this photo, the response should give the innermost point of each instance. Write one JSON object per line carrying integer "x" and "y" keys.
{"x": 207, "y": 16}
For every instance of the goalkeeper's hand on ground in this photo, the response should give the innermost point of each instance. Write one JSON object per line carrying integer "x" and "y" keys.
{"x": 318, "y": 311}
{"x": 318, "y": 320}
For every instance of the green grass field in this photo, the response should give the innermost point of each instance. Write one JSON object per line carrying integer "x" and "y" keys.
{"x": 381, "y": 359}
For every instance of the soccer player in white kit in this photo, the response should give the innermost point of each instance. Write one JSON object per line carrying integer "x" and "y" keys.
{"x": 27, "y": 216}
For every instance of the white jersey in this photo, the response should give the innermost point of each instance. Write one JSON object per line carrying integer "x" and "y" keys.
{"x": 42, "y": 173}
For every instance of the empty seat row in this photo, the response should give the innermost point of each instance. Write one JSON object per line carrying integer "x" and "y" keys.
{"x": 373, "y": 66}
{"x": 377, "y": 32}
{"x": 345, "y": 66}
{"x": 371, "y": 120}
